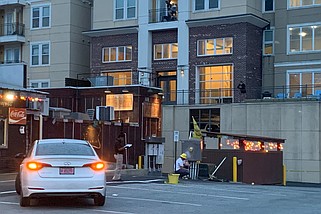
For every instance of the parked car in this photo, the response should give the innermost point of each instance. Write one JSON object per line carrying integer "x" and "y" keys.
{"x": 61, "y": 167}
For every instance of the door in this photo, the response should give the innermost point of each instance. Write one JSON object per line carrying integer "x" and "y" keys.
{"x": 167, "y": 81}
{"x": 12, "y": 55}
{"x": 9, "y": 25}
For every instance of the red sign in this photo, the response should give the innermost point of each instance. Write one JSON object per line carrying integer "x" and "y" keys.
{"x": 17, "y": 116}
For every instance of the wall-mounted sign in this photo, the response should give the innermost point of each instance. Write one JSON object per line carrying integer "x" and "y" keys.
{"x": 120, "y": 102}
{"x": 18, "y": 116}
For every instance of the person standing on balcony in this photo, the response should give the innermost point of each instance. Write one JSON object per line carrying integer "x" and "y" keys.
{"x": 242, "y": 89}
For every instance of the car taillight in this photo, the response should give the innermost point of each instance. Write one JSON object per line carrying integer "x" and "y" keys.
{"x": 96, "y": 165}
{"x": 36, "y": 165}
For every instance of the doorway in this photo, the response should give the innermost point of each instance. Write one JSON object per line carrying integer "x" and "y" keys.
{"x": 167, "y": 81}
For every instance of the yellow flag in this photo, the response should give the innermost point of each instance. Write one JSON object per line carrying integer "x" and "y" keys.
{"x": 197, "y": 131}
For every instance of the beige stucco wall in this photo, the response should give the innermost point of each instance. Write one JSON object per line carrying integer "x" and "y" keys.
{"x": 229, "y": 8}
{"x": 103, "y": 16}
{"x": 297, "y": 122}
{"x": 69, "y": 49}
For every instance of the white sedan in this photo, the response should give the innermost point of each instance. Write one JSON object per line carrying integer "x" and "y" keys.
{"x": 61, "y": 167}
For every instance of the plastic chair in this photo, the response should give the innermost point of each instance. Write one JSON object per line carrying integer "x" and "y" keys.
{"x": 317, "y": 94}
{"x": 280, "y": 96}
{"x": 297, "y": 95}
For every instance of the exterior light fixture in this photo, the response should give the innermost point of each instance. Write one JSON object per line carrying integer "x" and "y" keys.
{"x": 9, "y": 97}
{"x": 182, "y": 71}
{"x": 125, "y": 90}
{"x": 108, "y": 91}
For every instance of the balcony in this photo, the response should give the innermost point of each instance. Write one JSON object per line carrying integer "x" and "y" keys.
{"x": 12, "y": 32}
{"x": 13, "y": 75}
{"x": 289, "y": 93}
{"x": 12, "y": 2}
{"x": 162, "y": 15}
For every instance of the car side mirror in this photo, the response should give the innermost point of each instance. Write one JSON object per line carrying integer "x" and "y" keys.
{"x": 20, "y": 155}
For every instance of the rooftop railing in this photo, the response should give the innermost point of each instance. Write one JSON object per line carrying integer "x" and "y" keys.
{"x": 162, "y": 15}
{"x": 234, "y": 95}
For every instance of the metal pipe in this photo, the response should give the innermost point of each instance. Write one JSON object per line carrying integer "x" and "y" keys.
{"x": 40, "y": 126}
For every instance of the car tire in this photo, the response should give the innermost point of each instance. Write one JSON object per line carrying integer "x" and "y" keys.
{"x": 18, "y": 184}
{"x": 99, "y": 200}
{"x": 24, "y": 201}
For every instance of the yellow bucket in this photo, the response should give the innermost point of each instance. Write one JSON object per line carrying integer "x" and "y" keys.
{"x": 173, "y": 178}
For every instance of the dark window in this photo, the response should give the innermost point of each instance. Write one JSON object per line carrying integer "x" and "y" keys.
{"x": 268, "y": 5}
{"x": 64, "y": 149}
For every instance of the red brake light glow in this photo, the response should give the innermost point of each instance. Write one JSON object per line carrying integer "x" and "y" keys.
{"x": 96, "y": 166}
{"x": 36, "y": 165}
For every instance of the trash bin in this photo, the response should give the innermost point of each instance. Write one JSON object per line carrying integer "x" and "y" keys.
{"x": 173, "y": 178}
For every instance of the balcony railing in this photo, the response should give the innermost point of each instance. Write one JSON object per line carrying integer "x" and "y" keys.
{"x": 9, "y": 29}
{"x": 162, "y": 15}
{"x": 234, "y": 95}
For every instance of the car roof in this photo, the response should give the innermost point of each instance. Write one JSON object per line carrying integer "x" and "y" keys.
{"x": 61, "y": 140}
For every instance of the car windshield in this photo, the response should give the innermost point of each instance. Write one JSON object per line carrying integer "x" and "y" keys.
{"x": 64, "y": 149}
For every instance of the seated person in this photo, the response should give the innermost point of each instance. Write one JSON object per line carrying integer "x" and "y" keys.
{"x": 181, "y": 166}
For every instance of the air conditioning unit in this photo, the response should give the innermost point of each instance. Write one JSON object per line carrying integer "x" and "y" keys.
{"x": 105, "y": 113}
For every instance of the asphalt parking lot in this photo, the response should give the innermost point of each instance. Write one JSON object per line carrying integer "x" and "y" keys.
{"x": 185, "y": 197}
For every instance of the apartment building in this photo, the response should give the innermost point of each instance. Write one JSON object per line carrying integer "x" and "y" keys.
{"x": 198, "y": 51}
{"x": 42, "y": 40}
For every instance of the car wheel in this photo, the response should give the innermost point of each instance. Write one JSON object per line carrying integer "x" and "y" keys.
{"x": 24, "y": 201}
{"x": 99, "y": 200}
{"x": 18, "y": 184}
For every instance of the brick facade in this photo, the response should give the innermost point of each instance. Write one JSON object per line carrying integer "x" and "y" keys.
{"x": 246, "y": 58}
{"x": 98, "y": 43}
{"x": 164, "y": 37}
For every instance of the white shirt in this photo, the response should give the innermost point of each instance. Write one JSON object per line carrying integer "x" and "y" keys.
{"x": 179, "y": 163}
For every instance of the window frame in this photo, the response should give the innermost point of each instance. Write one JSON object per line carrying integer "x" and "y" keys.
{"x": 108, "y": 72}
{"x": 301, "y": 6}
{"x": 41, "y": 17}
{"x": 300, "y": 72}
{"x": 39, "y": 82}
{"x": 311, "y": 25}
{"x": 271, "y": 42}
{"x": 5, "y": 133}
{"x": 198, "y": 98}
{"x": 263, "y": 7}
{"x": 40, "y": 55}
{"x": 125, "y": 11}
{"x": 13, "y": 49}
{"x": 170, "y": 52}
{"x": 117, "y": 54}
{"x": 214, "y": 50}
{"x": 206, "y": 6}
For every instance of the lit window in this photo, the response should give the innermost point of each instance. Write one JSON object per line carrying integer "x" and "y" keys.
{"x": 125, "y": 9}
{"x": 120, "y": 78}
{"x": 215, "y": 82}
{"x": 304, "y": 82}
{"x": 117, "y": 54}
{"x": 210, "y": 47}
{"x": 165, "y": 51}
{"x": 206, "y": 4}
{"x": 268, "y": 42}
{"x": 304, "y": 38}
{"x": 40, "y": 16}
{"x": 40, "y": 54}
{"x": 303, "y": 3}
{"x": 268, "y": 5}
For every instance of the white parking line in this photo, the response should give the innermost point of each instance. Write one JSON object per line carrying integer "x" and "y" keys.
{"x": 108, "y": 211}
{"x": 7, "y": 181}
{"x": 184, "y": 193}
{"x": 158, "y": 201}
{"x": 130, "y": 182}
{"x": 10, "y": 203}
{"x": 7, "y": 192}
